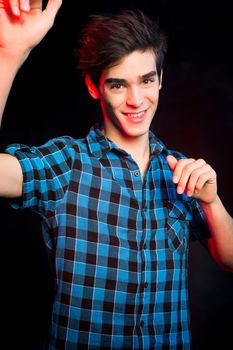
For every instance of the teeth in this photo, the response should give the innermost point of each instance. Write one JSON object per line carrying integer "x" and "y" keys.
{"x": 136, "y": 115}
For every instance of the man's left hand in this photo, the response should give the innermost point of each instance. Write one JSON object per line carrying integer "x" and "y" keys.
{"x": 195, "y": 178}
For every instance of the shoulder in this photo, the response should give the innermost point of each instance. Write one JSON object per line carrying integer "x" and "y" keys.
{"x": 177, "y": 154}
{"x": 63, "y": 144}
{"x": 158, "y": 148}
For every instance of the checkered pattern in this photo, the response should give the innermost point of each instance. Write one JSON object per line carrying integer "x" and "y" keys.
{"x": 120, "y": 246}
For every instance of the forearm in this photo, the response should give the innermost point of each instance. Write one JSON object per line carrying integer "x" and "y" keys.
{"x": 10, "y": 63}
{"x": 221, "y": 227}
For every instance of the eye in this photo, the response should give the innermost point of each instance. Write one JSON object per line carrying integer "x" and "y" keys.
{"x": 116, "y": 86}
{"x": 148, "y": 81}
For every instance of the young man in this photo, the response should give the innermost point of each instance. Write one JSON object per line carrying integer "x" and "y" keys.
{"x": 118, "y": 208}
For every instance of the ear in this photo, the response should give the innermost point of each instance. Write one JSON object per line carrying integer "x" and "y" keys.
{"x": 160, "y": 79}
{"x": 93, "y": 91}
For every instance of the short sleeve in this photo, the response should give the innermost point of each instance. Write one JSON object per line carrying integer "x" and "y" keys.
{"x": 46, "y": 173}
{"x": 198, "y": 225}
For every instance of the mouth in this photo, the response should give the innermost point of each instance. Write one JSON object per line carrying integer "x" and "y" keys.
{"x": 136, "y": 117}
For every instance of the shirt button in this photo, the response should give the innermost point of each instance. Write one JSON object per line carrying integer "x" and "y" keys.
{"x": 142, "y": 323}
{"x": 145, "y": 284}
{"x": 136, "y": 173}
{"x": 144, "y": 246}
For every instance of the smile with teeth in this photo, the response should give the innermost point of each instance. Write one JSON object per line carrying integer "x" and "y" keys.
{"x": 136, "y": 116}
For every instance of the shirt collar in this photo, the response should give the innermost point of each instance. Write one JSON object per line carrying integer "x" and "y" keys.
{"x": 99, "y": 144}
{"x": 156, "y": 146}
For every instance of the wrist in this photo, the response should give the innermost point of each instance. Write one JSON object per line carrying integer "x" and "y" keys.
{"x": 207, "y": 205}
{"x": 14, "y": 58}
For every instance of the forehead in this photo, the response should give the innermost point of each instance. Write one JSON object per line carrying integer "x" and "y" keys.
{"x": 136, "y": 64}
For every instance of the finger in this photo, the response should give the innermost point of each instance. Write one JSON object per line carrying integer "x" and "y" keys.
{"x": 18, "y": 6}
{"x": 183, "y": 171}
{"x": 24, "y": 5}
{"x": 196, "y": 178}
{"x": 11, "y": 6}
{"x": 36, "y": 4}
{"x": 53, "y": 6}
{"x": 4, "y": 4}
{"x": 15, "y": 6}
{"x": 208, "y": 177}
{"x": 172, "y": 161}
{"x": 177, "y": 171}
{"x": 52, "y": 9}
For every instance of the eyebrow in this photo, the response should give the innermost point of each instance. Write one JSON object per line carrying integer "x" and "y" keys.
{"x": 123, "y": 81}
{"x": 153, "y": 73}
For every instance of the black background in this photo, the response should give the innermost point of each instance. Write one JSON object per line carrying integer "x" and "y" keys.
{"x": 195, "y": 116}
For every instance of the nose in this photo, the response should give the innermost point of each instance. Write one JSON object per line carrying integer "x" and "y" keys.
{"x": 134, "y": 96}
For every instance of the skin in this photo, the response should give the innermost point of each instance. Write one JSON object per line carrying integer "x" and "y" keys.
{"x": 129, "y": 101}
{"x": 129, "y": 94}
{"x": 23, "y": 25}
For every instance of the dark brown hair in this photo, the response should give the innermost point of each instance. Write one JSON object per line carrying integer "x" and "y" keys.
{"x": 107, "y": 38}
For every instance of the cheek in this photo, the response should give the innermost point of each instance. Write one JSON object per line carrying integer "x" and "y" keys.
{"x": 115, "y": 101}
{"x": 153, "y": 96}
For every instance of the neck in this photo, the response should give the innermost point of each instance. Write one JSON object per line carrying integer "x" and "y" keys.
{"x": 139, "y": 149}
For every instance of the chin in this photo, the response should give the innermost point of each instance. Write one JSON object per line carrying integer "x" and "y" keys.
{"x": 136, "y": 133}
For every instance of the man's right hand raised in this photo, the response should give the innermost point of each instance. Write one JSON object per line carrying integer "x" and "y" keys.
{"x": 23, "y": 24}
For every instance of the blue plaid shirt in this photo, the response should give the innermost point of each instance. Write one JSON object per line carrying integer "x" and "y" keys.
{"x": 120, "y": 245}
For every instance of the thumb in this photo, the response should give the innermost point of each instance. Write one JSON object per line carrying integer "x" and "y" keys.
{"x": 52, "y": 8}
{"x": 172, "y": 161}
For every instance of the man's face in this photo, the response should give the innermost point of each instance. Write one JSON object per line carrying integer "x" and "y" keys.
{"x": 129, "y": 93}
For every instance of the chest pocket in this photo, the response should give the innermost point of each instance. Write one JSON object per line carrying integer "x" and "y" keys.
{"x": 177, "y": 225}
